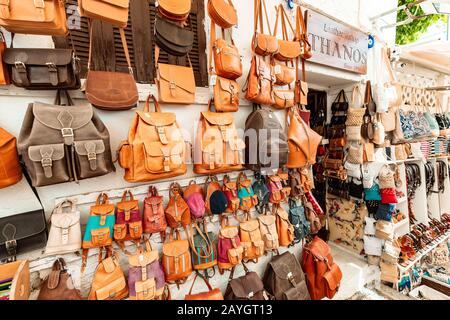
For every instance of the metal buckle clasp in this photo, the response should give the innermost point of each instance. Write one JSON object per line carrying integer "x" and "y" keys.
{"x": 46, "y": 162}
{"x": 51, "y": 66}
{"x": 20, "y": 66}
{"x": 67, "y": 132}
{"x": 172, "y": 85}
{"x": 39, "y": 4}
{"x": 11, "y": 249}
{"x": 92, "y": 156}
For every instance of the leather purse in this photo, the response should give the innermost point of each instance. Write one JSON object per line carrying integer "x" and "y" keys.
{"x": 175, "y": 10}
{"x": 287, "y": 49}
{"x": 263, "y": 44}
{"x": 18, "y": 272}
{"x": 340, "y": 103}
{"x": 301, "y": 86}
{"x": 284, "y": 99}
{"x": 176, "y": 84}
{"x": 109, "y": 282}
{"x": 43, "y": 69}
{"x": 301, "y": 33}
{"x": 114, "y": 12}
{"x": 58, "y": 285}
{"x": 226, "y": 95}
{"x": 65, "y": 230}
{"x": 222, "y": 13}
{"x": 260, "y": 81}
{"x": 111, "y": 91}
{"x": 173, "y": 38}
{"x": 211, "y": 294}
{"x": 227, "y": 61}
{"x": 5, "y": 79}
{"x": 42, "y": 17}
{"x": 9, "y": 160}
{"x": 284, "y": 74}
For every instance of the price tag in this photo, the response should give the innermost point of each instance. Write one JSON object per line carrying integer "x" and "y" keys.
{"x": 213, "y": 80}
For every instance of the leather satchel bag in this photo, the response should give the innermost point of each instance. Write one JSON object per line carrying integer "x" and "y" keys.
{"x": 43, "y": 17}
{"x": 284, "y": 74}
{"x": 340, "y": 103}
{"x": 263, "y": 44}
{"x": 108, "y": 90}
{"x": 287, "y": 49}
{"x": 246, "y": 287}
{"x": 43, "y": 69}
{"x": 173, "y": 38}
{"x": 176, "y": 84}
{"x": 114, "y": 12}
{"x": 155, "y": 148}
{"x": 9, "y": 160}
{"x": 5, "y": 79}
{"x": 154, "y": 220}
{"x": 260, "y": 81}
{"x": 65, "y": 230}
{"x": 175, "y": 10}
{"x": 109, "y": 282}
{"x": 211, "y": 294}
{"x": 128, "y": 224}
{"x": 226, "y": 95}
{"x": 219, "y": 147}
{"x": 58, "y": 285}
{"x": 284, "y": 278}
{"x": 284, "y": 99}
{"x": 222, "y": 13}
{"x": 61, "y": 144}
{"x": 227, "y": 61}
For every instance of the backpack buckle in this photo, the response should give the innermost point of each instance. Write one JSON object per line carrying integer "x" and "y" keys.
{"x": 11, "y": 249}
{"x": 67, "y": 132}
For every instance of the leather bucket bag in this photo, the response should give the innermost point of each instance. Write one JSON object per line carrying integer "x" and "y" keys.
{"x": 114, "y": 12}
{"x": 287, "y": 49}
{"x": 108, "y": 90}
{"x": 211, "y": 294}
{"x": 59, "y": 285}
{"x": 173, "y": 38}
{"x": 176, "y": 84}
{"x": 219, "y": 147}
{"x": 260, "y": 81}
{"x": 42, "y": 17}
{"x": 64, "y": 143}
{"x": 222, "y": 13}
{"x": 155, "y": 148}
{"x": 65, "y": 230}
{"x": 263, "y": 44}
{"x": 10, "y": 172}
{"x": 175, "y": 10}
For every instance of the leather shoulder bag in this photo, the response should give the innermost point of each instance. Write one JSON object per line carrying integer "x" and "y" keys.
{"x": 114, "y": 12}
{"x": 108, "y": 90}
{"x": 260, "y": 81}
{"x": 9, "y": 160}
{"x": 222, "y": 13}
{"x": 263, "y": 44}
{"x": 172, "y": 37}
{"x": 301, "y": 33}
{"x": 287, "y": 49}
{"x": 174, "y": 10}
{"x": 42, "y": 17}
{"x": 211, "y": 294}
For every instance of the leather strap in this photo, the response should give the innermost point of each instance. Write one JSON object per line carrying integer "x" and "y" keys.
{"x": 155, "y": 103}
{"x": 258, "y": 16}
{"x": 204, "y": 280}
{"x": 102, "y": 199}
{"x": 126, "y": 194}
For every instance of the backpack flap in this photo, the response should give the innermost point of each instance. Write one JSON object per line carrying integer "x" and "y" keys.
{"x": 333, "y": 277}
{"x": 247, "y": 286}
{"x": 142, "y": 260}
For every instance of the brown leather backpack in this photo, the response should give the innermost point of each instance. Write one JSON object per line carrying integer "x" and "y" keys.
{"x": 246, "y": 287}
{"x": 114, "y": 12}
{"x": 44, "y": 17}
{"x": 155, "y": 148}
{"x": 154, "y": 220}
{"x": 284, "y": 278}
{"x": 176, "y": 259}
{"x": 177, "y": 211}
{"x": 260, "y": 81}
{"x": 58, "y": 285}
{"x": 322, "y": 274}
{"x": 219, "y": 148}
{"x": 64, "y": 143}
{"x": 11, "y": 171}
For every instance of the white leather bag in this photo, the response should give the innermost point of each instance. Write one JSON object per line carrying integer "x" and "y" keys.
{"x": 65, "y": 231}
{"x": 373, "y": 246}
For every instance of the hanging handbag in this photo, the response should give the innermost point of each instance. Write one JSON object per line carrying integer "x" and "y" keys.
{"x": 301, "y": 34}
{"x": 174, "y": 10}
{"x": 9, "y": 160}
{"x": 284, "y": 74}
{"x": 369, "y": 104}
{"x": 287, "y": 49}
{"x": 108, "y": 90}
{"x": 388, "y": 93}
{"x": 355, "y": 153}
{"x": 260, "y": 81}
{"x": 372, "y": 193}
{"x": 173, "y": 38}
{"x": 114, "y": 12}
{"x": 301, "y": 86}
{"x": 263, "y": 44}
{"x": 222, "y": 13}
{"x": 340, "y": 103}
{"x": 284, "y": 99}
{"x": 353, "y": 133}
{"x": 211, "y": 294}
{"x": 378, "y": 131}
{"x": 355, "y": 117}
{"x": 4, "y": 72}
{"x": 227, "y": 60}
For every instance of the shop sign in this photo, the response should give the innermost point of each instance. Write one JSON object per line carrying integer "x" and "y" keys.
{"x": 337, "y": 45}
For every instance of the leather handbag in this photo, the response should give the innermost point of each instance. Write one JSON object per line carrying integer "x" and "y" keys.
{"x": 114, "y": 12}
{"x": 301, "y": 33}
{"x": 109, "y": 282}
{"x": 323, "y": 276}
{"x": 226, "y": 95}
{"x": 260, "y": 81}
{"x": 175, "y": 10}
{"x": 176, "y": 84}
{"x": 287, "y": 49}
{"x": 263, "y": 44}
{"x": 145, "y": 275}
{"x": 176, "y": 259}
{"x": 301, "y": 86}
{"x": 177, "y": 211}
{"x": 5, "y": 79}
{"x": 284, "y": 278}
{"x": 9, "y": 160}
{"x": 43, "y": 17}
{"x": 302, "y": 142}
{"x": 128, "y": 226}
{"x": 108, "y": 90}
{"x": 369, "y": 104}
{"x": 284, "y": 74}
{"x": 154, "y": 220}
{"x": 211, "y": 294}
{"x": 156, "y": 148}
{"x": 43, "y": 69}
{"x": 222, "y": 13}
{"x": 340, "y": 103}
{"x": 61, "y": 144}
{"x": 58, "y": 285}
{"x": 227, "y": 61}
{"x": 219, "y": 147}
{"x": 284, "y": 99}
{"x": 65, "y": 230}
{"x": 18, "y": 273}
{"x": 173, "y": 38}
{"x": 246, "y": 287}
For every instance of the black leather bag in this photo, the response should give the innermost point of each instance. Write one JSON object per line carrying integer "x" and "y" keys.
{"x": 340, "y": 104}
{"x": 172, "y": 38}
{"x": 355, "y": 190}
{"x": 43, "y": 69}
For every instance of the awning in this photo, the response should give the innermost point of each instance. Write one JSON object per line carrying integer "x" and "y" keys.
{"x": 433, "y": 55}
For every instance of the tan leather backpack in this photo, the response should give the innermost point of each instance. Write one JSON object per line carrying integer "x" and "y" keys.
{"x": 218, "y": 148}
{"x": 177, "y": 211}
{"x": 114, "y": 12}
{"x": 284, "y": 227}
{"x": 10, "y": 172}
{"x": 155, "y": 148}
{"x": 260, "y": 81}
{"x": 251, "y": 239}
{"x": 43, "y": 17}
{"x": 268, "y": 229}
{"x": 176, "y": 259}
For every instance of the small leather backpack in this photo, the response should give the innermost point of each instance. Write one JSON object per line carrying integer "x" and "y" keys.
{"x": 177, "y": 211}
{"x": 251, "y": 239}
{"x": 9, "y": 160}
{"x": 204, "y": 248}
{"x": 230, "y": 250}
{"x": 276, "y": 189}
{"x": 58, "y": 285}
{"x": 284, "y": 227}
{"x": 246, "y": 287}
{"x": 230, "y": 191}
{"x": 194, "y": 197}
{"x": 154, "y": 218}
{"x": 261, "y": 191}
{"x": 65, "y": 231}
{"x": 216, "y": 201}
{"x": 176, "y": 259}
{"x": 128, "y": 220}
{"x": 268, "y": 229}
{"x": 247, "y": 197}
{"x": 298, "y": 220}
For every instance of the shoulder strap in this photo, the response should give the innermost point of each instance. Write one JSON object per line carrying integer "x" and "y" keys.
{"x": 102, "y": 199}
{"x": 155, "y": 102}
{"x": 127, "y": 194}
